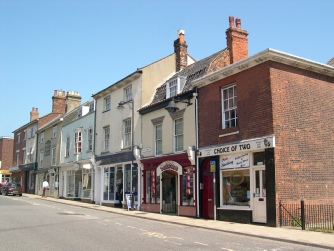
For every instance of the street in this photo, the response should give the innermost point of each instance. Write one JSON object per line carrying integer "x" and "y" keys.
{"x": 34, "y": 224}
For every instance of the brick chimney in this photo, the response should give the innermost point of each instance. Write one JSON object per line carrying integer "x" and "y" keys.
{"x": 59, "y": 102}
{"x": 73, "y": 100}
{"x": 180, "y": 50}
{"x": 237, "y": 41}
{"x": 34, "y": 114}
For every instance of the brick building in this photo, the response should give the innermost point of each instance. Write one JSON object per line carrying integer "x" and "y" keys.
{"x": 6, "y": 157}
{"x": 265, "y": 133}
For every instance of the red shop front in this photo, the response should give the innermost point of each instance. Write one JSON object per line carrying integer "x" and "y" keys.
{"x": 169, "y": 185}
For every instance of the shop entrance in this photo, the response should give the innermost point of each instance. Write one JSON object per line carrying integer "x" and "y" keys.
{"x": 259, "y": 195}
{"x": 207, "y": 191}
{"x": 169, "y": 188}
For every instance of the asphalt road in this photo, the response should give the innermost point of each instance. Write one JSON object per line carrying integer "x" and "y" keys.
{"x": 32, "y": 224}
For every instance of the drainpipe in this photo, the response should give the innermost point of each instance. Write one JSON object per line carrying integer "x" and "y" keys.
{"x": 195, "y": 94}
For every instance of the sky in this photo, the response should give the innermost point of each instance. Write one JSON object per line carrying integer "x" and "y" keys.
{"x": 88, "y": 45}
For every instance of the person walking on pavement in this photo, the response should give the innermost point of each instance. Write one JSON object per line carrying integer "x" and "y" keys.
{"x": 120, "y": 192}
{"x": 45, "y": 187}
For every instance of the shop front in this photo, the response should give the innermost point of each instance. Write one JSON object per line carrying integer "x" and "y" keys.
{"x": 5, "y": 175}
{"x": 17, "y": 175}
{"x": 169, "y": 185}
{"x": 29, "y": 177}
{"x": 117, "y": 172}
{"x": 245, "y": 177}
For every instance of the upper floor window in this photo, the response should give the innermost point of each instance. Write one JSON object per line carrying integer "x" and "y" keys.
{"x": 128, "y": 93}
{"x": 31, "y": 152}
{"x": 67, "y": 149}
{"x": 80, "y": 112}
{"x": 91, "y": 106}
{"x": 90, "y": 139}
{"x": 41, "y": 158}
{"x": 18, "y": 138}
{"x": 53, "y": 157}
{"x": 77, "y": 139}
{"x": 42, "y": 137}
{"x": 106, "y": 132}
{"x": 127, "y": 133}
{"x": 23, "y": 156}
{"x": 158, "y": 139}
{"x": 178, "y": 135}
{"x": 54, "y": 132}
{"x": 172, "y": 88}
{"x": 17, "y": 157}
{"x": 229, "y": 104}
{"x": 25, "y": 135}
{"x": 107, "y": 104}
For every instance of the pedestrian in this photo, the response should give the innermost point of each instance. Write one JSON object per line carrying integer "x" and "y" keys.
{"x": 45, "y": 187}
{"x": 120, "y": 191}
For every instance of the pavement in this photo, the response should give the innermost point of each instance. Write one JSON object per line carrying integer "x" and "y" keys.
{"x": 298, "y": 236}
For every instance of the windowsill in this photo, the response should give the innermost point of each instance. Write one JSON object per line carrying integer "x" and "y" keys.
{"x": 126, "y": 148}
{"x": 229, "y": 131}
{"x": 104, "y": 152}
{"x": 226, "y": 207}
{"x": 88, "y": 151}
{"x": 106, "y": 111}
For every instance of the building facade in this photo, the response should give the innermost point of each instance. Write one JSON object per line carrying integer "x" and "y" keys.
{"x": 6, "y": 158}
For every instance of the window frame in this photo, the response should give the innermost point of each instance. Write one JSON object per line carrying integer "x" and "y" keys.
{"x": 67, "y": 146}
{"x": 54, "y": 132}
{"x": 106, "y": 104}
{"x": 53, "y": 156}
{"x": 173, "y": 90}
{"x": 42, "y": 137}
{"x": 77, "y": 142}
{"x": 128, "y": 93}
{"x": 41, "y": 158}
{"x": 177, "y": 147}
{"x": 127, "y": 132}
{"x": 157, "y": 140}
{"x": 106, "y": 132}
{"x": 232, "y": 120}
{"x": 90, "y": 139}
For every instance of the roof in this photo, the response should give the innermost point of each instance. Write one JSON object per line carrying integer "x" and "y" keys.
{"x": 331, "y": 61}
{"x": 73, "y": 114}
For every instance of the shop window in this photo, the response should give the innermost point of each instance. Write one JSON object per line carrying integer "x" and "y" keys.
{"x": 236, "y": 187}
{"x": 109, "y": 184}
{"x": 188, "y": 187}
{"x": 152, "y": 187}
{"x": 86, "y": 183}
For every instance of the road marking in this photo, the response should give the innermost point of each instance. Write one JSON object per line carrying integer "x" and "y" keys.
{"x": 227, "y": 249}
{"x": 173, "y": 242}
{"x": 131, "y": 227}
{"x": 203, "y": 244}
{"x": 118, "y": 223}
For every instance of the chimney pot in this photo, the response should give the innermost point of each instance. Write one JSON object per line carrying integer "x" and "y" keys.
{"x": 238, "y": 23}
{"x": 231, "y": 19}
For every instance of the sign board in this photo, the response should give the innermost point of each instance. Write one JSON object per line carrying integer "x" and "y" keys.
{"x": 233, "y": 161}
{"x": 128, "y": 200}
{"x": 212, "y": 166}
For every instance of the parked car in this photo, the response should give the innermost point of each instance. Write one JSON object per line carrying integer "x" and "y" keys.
{"x": 11, "y": 188}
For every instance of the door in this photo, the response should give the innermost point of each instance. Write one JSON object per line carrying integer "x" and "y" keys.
{"x": 207, "y": 191}
{"x": 169, "y": 189}
{"x": 259, "y": 196}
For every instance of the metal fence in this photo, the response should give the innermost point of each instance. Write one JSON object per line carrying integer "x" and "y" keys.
{"x": 310, "y": 216}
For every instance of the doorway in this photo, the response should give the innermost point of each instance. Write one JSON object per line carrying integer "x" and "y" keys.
{"x": 169, "y": 188}
{"x": 259, "y": 195}
{"x": 207, "y": 190}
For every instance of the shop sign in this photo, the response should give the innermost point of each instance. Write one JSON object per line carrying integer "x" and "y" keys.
{"x": 244, "y": 146}
{"x": 234, "y": 161}
{"x": 13, "y": 168}
{"x": 4, "y": 172}
{"x": 28, "y": 167}
{"x": 169, "y": 165}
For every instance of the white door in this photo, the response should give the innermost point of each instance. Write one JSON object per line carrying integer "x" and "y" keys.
{"x": 259, "y": 196}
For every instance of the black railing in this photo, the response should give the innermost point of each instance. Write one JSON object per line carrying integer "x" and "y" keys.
{"x": 310, "y": 216}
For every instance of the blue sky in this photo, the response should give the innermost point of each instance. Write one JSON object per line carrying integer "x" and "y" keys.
{"x": 87, "y": 45}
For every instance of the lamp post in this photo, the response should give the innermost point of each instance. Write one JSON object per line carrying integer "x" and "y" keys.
{"x": 121, "y": 106}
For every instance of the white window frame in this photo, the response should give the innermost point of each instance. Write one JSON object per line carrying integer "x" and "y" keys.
{"x": 90, "y": 139}
{"x": 106, "y": 135}
{"x": 54, "y": 132}
{"x": 42, "y": 137}
{"x": 157, "y": 140}
{"x": 173, "y": 88}
{"x": 106, "y": 103}
{"x": 53, "y": 156}
{"x": 229, "y": 107}
{"x": 127, "y": 132}
{"x": 77, "y": 142}
{"x": 178, "y": 135}
{"x": 67, "y": 147}
{"x": 128, "y": 93}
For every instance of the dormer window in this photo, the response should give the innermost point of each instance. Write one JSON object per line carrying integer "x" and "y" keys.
{"x": 175, "y": 86}
{"x": 91, "y": 106}
{"x": 80, "y": 112}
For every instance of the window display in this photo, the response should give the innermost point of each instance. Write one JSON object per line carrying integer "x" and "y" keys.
{"x": 188, "y": 187}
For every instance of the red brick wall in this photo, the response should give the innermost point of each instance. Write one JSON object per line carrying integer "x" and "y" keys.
{"x": 303, "y": 125}
{"x": 18, "y": 146}
{"x": 6, "y": 153}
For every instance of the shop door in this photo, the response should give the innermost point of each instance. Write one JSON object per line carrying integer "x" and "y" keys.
{"x": 207, "y": 191}
{"x": 168, "y": 193}
{"x": 259, "y": 196}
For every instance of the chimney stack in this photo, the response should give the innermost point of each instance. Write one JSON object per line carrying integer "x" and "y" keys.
{"x": 180, "y": 50}
{"x": 34, "y": 114}
{"x": 237, "y": 41}
{"x": 73, "y": 100}
{"x": 59, "y": 102}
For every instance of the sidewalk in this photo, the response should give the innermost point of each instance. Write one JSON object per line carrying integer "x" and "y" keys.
{"x": 316, "y": 239}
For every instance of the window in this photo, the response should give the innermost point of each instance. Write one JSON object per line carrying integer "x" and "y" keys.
{"x": 236, "y": 187}
{"x": 42, "y": 137}
{"x": 31, "y": 151}
{"x": 53, "y": 157}
{"x": 17, "y": 158}
{"x": 229, "y": 100}
{"x": 178, "y": 135}
{"x": 32, "y": 134}
{"x": 107, "y": 104}
{"x": 127, "y": 133}
{"x": 54, "y": 132}
{"x": 25, "y": 135}
{"x": 77, "y": 142}
{"x": 188, "y": 187}
{"x": 41, "y": 158}
{"x": 67, "y": 150}
{"x": 172, "y": 88}
{"x": 90, "y": 139}
{"x": 128, "y": 93}
{"x": 106, "y": 131}
{"x": 91, "y": 106}
{"x": 18, "y": 137}
{"x": 152, "y": 187}
{"x": 80, "y": 112}
{"x": 158, "y": 139}
{"x": 23, "y": 156}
